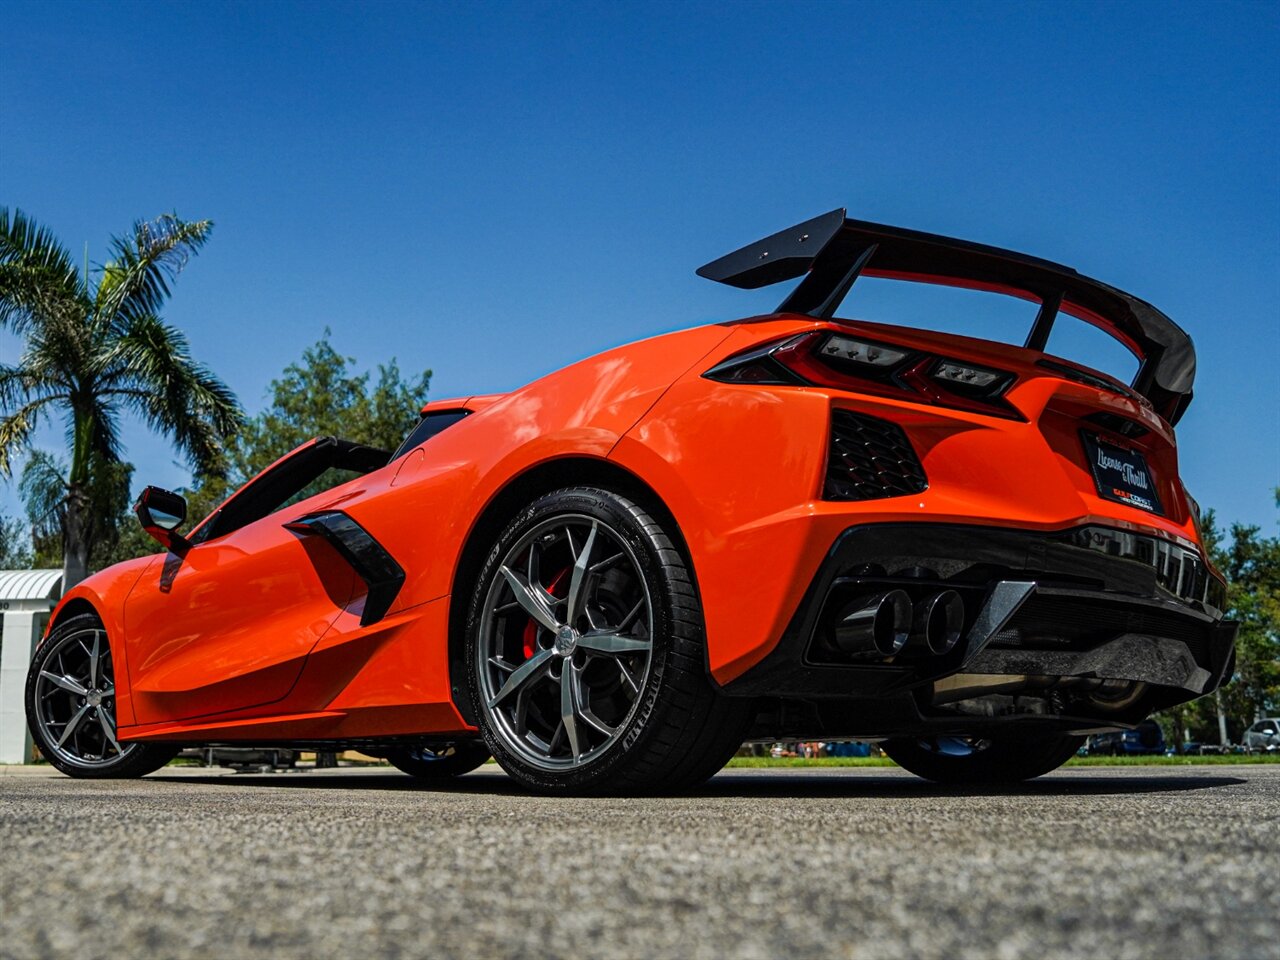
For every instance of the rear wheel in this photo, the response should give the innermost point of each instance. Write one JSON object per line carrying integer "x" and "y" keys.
{"x": 439, "y": 761}
{"x": 979, "y": 760}
{"x": 71, "y": 706}
{"x": 586, "y": 655}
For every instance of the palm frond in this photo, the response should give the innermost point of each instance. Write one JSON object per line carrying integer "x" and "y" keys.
{"x": 16, "y": 429}
{"x": 25, "y": 241}
{"x": 20, "y": 384}
{"x": 136, "y": 280}
{"x": 43, "y": 489}
{"x": 38, "y": 281}
{"x": 151, "y": 370}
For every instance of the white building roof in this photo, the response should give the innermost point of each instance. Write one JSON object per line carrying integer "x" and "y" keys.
{"x": 30, "y": 584}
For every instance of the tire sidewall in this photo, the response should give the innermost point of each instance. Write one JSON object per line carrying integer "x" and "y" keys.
{"x": 620, "y": 514}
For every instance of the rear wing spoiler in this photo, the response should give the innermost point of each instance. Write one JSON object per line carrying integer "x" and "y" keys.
{"x": 832, "y": 251}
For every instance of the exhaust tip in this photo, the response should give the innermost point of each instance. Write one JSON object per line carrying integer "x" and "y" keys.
{"x": 875, "y": 626}
{"x": 939, "y": 622}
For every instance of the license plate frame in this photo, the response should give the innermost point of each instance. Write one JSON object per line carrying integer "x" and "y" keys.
{"x": 1121, "y": 474}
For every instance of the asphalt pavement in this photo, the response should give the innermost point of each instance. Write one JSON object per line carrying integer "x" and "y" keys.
{"x": 1089, "y": 862}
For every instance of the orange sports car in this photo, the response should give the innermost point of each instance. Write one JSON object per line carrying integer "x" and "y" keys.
{"x": 793, "y": 526}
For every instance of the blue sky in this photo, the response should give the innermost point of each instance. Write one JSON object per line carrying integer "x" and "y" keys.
{"x": 494, "y": 190}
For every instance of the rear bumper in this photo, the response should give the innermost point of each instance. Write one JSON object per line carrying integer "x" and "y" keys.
{"x": 1088, "y": 602}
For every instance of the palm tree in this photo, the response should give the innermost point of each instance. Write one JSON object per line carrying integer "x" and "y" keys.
{"x": 95, "y": 351}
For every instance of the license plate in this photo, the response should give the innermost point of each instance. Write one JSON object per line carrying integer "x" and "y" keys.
{"x": 1121, "y": 475}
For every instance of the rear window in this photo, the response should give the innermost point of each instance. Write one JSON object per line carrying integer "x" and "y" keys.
{"x": 426, "y": 428}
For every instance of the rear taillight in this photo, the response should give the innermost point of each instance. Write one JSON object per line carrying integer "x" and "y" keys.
{"x": 861, "y": 365}
{"x": 1193, "y": 508}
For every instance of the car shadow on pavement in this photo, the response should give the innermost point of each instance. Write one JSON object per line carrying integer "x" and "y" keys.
{"x": 734, "y": 784}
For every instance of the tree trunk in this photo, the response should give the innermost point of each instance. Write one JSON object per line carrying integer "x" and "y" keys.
{"x": 1222, "y": 718}
{"x": 1179, "y": 728}
{"x": 77, "y": 535}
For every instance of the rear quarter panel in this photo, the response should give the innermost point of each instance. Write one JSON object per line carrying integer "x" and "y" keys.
{"x": 423, "y": 507}
{"x": 741, "y": 467}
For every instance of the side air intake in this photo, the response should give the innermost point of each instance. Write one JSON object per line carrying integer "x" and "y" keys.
{"x": 870, "y": 459}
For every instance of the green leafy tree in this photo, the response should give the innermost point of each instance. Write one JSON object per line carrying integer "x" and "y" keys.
{"x": 95, "y": 350}
{"x": 1251, "y": 564}
{"x": 320, "y": 395}
{"x": 15, "y": 544}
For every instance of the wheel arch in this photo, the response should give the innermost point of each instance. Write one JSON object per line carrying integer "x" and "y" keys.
{"x": 517, "y": 493}
{"x": 73, "y": 607}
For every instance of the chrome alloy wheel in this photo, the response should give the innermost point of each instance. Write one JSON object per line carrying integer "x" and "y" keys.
{"x": 565, "y": 642}
{"x": 75, "y": 702}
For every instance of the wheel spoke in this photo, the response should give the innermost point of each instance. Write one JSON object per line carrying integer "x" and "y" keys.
{"x": 65, "y": 682}
{"x": 631, "y": 616}
{"x": 613, "y": 643}
{"x": 627, "y": 677}
{"x": 93, "y": 659}
{"x": 74, "y": 722}
{"x": 579, "y": 574}
{"x": 108, "y": 728}
{"x": 520, "y": 716}
{"x": 533, "y": 566}
{"x": 591, "y": 720}
{"x": 525, "y": 672}
{"x": 606, "y": 562}
{"x": 531, "y": 599}
{"x": 569, "y": 707}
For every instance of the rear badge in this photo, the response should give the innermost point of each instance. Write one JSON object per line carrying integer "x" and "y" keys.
{"x": 1121, "y": 475}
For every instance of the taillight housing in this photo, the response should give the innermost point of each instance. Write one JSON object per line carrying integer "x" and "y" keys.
{"x": 864, "y": 365}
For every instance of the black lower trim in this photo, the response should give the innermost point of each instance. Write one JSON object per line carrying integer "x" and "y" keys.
{"x": 377, "y": 568}
{"x": 1062, "y": 603}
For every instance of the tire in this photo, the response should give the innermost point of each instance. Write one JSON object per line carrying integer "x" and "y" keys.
{"x": 587, "y": 584}
{"x": 71, "y": 684}
{"x": 968, "y": 760}
{"x": 440, "y": 761}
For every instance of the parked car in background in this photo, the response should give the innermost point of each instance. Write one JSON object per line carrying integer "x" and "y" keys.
{"x": 1263, "y": 736}
{"x": 1196, "y": 748}
{"x": 1144, "y": 739}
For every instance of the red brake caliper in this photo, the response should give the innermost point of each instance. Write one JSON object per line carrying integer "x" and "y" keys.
{"x": 531, "y": 628}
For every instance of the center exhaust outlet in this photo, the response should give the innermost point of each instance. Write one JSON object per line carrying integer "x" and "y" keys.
{"x": 875, "y": 626}
{"x": 939, "y": 621}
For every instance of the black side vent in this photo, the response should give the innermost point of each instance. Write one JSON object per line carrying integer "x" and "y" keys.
{"x": 870, "y": 459}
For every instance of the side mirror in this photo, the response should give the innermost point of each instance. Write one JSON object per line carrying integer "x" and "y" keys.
{"x": 161, "y": 513}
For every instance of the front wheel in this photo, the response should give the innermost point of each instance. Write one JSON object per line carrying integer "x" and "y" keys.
{"x": 587, "y": 663}
{"x": 982, "y": 760}
{"x": 71, "y": 706}
{"x": 439, "y": 762}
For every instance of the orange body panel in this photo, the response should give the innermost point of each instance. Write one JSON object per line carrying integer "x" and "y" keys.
{"x": 256, "y": 635}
